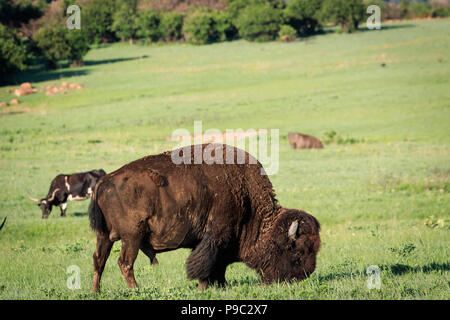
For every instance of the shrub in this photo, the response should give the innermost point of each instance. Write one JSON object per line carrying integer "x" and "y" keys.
{"x": 57, "y": 42}
{"x": 419, "y": 10}
{"x": 14, "y": 13}
{"x": 200, "y": 27}
{"x": 440, "y": 12}
{"x": 78, "y": 46}
{"x": 345, "y": 13}
{"x": 303, "y": 15}
{"x": 259, "y": 22}
{"x": 124, "y": 21}
{"x": 53, "y": 44}
{"x": 148, "y": 25}
{"x": 97, "y": 19}
{"x": 13, "y": 53}
{"x": 171, "y": 26}
{"x": 287, "y": 33}
{"x": 224, "y": 26}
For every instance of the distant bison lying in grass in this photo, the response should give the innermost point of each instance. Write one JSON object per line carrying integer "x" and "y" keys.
{"x": 225, "y": 212}
{"x": 304, "y": 141}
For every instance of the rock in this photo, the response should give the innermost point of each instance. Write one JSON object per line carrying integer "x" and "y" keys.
{"x": 24, "y": 89}
{"x": 26, "y": 86}
{"x": 75, "y": 86}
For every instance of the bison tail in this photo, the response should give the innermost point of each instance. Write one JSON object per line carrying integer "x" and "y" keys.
{"x": 96, "y": 218}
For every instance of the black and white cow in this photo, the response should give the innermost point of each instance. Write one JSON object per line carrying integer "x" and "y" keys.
{"x": 77, "y": 186}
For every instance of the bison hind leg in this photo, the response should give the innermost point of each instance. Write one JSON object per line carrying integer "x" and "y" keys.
{"x": 204, "y": 264}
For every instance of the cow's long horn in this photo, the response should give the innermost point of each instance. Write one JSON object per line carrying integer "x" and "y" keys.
{"x": 293, "y": 230}
{"x": 34, "y": 199}
{"x": 53, "y": 195}
{"x": 3, "y": 223}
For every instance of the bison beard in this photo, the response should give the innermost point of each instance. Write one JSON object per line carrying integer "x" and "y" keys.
{"x": 225, "y": 212}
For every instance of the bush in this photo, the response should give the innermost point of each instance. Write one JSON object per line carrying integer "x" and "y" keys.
{"x": 200, "y": 27}
{"x": 14, "y": 13}
{"x": 224, "y": 26}
{"x": 171, "y": 26}
{"x": 303, "y": 15}
{"x": 287, "y": 33}
{"x": 97, "y": 19}
{"x": 259, "y": 22}
{"x": 148, "y": 25}
{"x": 440, "y": 12}
{"x": 345, "y": 13}
{"x": 419, "y": 10}
{"x": 78, "y": 46}
{"x": 53, "y": 44}
{"x": 57, "y": 42}
{"x": 13, "y": 54}
{"x": 124, "y": 20}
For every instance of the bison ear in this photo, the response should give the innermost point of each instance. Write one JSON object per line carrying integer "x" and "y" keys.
{"x": 293, "y": 230}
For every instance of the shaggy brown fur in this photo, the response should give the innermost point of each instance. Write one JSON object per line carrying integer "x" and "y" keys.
{"x": 224, "y": 212}
{"x": 304, "y": 141}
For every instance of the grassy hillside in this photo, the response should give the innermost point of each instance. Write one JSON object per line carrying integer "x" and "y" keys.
{"x": 371, "y": 192}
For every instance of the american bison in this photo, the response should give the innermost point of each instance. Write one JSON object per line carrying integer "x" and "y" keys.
{"x": 63, "y": 188}
{"x": 304, "y": 141}
{"x": 225, "y": 212}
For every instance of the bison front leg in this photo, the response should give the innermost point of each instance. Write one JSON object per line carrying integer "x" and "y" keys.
{"x": 128, "y": 254}
{"x": 100, "y": 256}
{"x": 205, "y": 265}
{"x": 149, "y": 252}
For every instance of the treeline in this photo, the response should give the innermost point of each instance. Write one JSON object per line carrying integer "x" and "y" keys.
{"x": 36, "y": 30}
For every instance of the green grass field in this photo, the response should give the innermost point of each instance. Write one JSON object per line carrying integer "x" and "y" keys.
{"x": 372, "y": 190}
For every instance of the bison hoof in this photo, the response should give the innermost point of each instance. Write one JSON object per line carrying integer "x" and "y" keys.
{"x": 202, "y": 285}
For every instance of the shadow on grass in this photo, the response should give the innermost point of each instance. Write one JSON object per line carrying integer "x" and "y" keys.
{"x": 387, "y": 27}
{"x": 399, "y": 269}
{"x": 97, "y": 62}
{"x": 39, "y": 74}
{"x": 79, "y": 214}
{"x": 396, "y": 269}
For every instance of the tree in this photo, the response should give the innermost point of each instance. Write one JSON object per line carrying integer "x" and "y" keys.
{"x": 259, "y": 22}
{"x": 200, "y": 27}
{"x": 13, "y": 54}
{"x": 171, "y": 26}
{"x": 124, "y": 20}
{"x": 148, "y": 25}
{"x": 303, "y": 15}
{"x": 53, "y": 44}
{"x": 346, "y": 13}
{"x": 78, "y": 46}
{"x": 57, "y": 42}
{"x": 97, "y": 19}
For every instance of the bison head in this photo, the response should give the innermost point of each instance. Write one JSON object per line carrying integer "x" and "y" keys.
{"x": 291, "y": 245}
{"x": 45, "y": 204}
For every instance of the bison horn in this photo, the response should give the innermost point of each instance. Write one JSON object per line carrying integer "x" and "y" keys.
{"x": 3, "y": 223}
{"x": 293, "y": 230}
{"x": 53, "y": 195}
{"x": 34, "y": 199}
